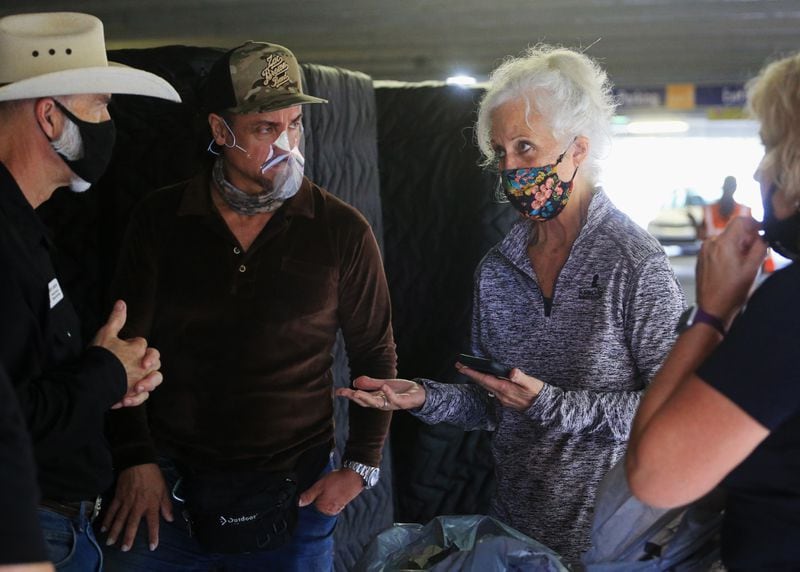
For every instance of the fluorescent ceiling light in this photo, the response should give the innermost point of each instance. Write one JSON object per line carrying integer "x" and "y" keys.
{"x": 461, "y": 80}
{"x": 656, "y": 127}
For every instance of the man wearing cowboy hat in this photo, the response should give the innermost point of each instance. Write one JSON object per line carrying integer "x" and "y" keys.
{"x": 242, "y": 277}
{"x": 21, "y": 543}
{"x": 55, "y": 85}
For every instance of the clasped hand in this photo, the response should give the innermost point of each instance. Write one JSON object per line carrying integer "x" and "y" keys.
{"x": 140, "y": 361}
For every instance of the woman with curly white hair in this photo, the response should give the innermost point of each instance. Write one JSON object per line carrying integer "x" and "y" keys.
{"x": 725, "y": 408}
{"x": 577, "y": 300}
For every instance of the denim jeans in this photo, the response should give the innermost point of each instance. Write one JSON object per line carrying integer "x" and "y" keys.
{"x": 70, "y": 542}
{"x": 310, "y": 550}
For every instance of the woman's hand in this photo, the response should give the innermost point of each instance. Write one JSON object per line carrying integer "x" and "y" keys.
{"x": 518, "y": 392}
{"x": 386, "y": 394}
{"x": 727, "y": 266}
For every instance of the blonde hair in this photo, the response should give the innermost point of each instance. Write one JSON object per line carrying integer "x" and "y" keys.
{"x": 567, "y": 88}
{"x": 774, "y": 99}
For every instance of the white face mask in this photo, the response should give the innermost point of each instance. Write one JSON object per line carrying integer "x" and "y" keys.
{"x": 282, "y": 176}
{"x": 285, "y": 164}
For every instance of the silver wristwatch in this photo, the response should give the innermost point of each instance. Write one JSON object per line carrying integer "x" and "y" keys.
{"x": 369, "y": 475}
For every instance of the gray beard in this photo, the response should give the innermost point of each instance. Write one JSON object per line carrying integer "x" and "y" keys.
{"x": 70, "y": 146}
{"x": 69, "y": 143}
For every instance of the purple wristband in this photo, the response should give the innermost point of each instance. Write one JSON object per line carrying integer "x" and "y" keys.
{"x": 695, "y": 315}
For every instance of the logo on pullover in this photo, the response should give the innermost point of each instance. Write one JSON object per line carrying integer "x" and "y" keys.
{"x": 593, "y": 292}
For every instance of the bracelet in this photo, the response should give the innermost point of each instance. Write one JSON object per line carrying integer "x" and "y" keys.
{"x": 694, "y": 315}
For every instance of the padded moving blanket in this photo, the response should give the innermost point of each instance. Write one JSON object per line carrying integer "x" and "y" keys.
{"x": 440, "y": 217}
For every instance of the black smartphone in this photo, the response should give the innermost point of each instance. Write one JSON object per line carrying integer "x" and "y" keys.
{"x": 484, "y": 365}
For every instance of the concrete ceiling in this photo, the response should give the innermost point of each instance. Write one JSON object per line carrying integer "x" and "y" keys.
{"x": 642, "y": 43}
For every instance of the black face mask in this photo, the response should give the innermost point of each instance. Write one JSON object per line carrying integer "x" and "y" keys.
{"x": 98, "y": 144}
{"x": 783, "y": 235}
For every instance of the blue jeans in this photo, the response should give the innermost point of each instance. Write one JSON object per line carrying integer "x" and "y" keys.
{"x": 310, "y": 550}
{"x": 70, "y": 542}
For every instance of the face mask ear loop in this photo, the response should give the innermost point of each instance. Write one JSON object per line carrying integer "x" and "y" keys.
{"x": 60, "y": 107}
{"x": 211, "y": 149}
{"x": 560, "y": 157}
{"x": 232, "y": 145}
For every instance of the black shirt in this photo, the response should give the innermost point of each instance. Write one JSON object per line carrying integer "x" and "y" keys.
{"x": 64, "y": 390}
{"x": 20, "y": 537}
{"x": 756, "y": 367}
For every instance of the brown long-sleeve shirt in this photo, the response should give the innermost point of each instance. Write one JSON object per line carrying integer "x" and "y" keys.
{"x": 246, "y": 337}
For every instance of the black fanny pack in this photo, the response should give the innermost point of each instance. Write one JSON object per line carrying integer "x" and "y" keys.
{"x": 237, "y": 513}
{"x": 248, "y": 511}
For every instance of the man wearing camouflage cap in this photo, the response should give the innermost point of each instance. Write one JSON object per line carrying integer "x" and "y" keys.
{"x": 242, "y": 276}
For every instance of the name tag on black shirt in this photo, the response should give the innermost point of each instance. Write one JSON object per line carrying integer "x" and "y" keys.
{"x": 56, "y": 295}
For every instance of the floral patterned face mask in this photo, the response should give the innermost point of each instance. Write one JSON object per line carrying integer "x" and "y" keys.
{"x": 538, "y": 192}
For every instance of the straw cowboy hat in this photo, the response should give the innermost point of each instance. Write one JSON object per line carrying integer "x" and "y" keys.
{"x": 64, "y": 53}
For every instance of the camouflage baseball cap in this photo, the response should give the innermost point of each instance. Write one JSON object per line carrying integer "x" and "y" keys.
{"x": 256, "y": 77}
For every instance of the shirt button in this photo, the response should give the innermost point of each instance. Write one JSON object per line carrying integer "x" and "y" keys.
{"x": 242, "y": 268}
{"x": 237, "y": 250}
{"x": 69, "y": 334}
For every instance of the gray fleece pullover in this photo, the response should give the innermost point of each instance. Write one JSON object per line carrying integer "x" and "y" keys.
{"x": 614, "y": 310}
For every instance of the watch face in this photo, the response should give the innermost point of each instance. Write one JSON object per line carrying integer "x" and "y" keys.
{"x": 369, "y": 475}
{"x": 372, "y": 478}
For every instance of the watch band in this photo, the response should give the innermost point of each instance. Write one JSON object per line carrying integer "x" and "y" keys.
{"x": 696, "y": 315}
{"x": 369, "y": 475}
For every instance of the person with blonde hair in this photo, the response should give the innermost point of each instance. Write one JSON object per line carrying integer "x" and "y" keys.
{"x": 725, "y": 407}
{"x": 577, "y": 300}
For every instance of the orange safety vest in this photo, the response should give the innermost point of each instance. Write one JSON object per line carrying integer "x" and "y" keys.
{"x": 714, "y": 220}
{"x": 715, "y": 223}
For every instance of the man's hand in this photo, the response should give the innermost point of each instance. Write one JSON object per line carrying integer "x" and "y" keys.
{"x": 141, "y": 363}
{"x": 386, "y": 394}
{"x": 141, "y": 491}
{"x": 333, "y": 492}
